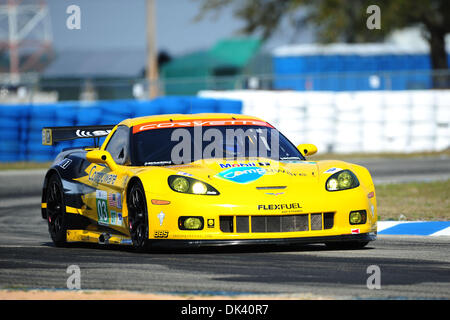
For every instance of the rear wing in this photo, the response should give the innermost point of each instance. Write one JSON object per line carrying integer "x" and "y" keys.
{"x": 52, "y": 135}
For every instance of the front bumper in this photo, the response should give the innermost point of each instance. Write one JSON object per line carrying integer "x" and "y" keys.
{"x": 252, "y": 218}
{"x": 171, "y": 243}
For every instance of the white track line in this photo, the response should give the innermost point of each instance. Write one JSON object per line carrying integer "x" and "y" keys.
{"x": 444, "y": 232}
{"x": 381, "y": 225}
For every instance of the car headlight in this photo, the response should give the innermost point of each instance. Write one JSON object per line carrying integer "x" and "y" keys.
{"x": 199, "y": 188}
{"x": 190, "y": 185}
{"x": 342, "y": 180}
{"x": 358, "y": 217}
{"x": 190, "y": 223}
{"x": 180, "y": 184}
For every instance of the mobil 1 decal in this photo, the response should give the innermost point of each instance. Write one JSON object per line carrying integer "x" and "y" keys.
{"x": 102, "y": 206}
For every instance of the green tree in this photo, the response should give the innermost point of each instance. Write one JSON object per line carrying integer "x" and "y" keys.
{"x": 345, "y": 20}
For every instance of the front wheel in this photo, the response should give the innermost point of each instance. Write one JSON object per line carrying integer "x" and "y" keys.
{"x": 138, "y": 217}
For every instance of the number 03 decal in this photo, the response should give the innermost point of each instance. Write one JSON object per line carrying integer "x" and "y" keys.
{"x": 102, "y": 207}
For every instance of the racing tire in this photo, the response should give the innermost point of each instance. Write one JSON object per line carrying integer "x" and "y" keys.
{"x": 138, "y": 218}
{"x": 346, "y": 245}
{"x": 56, "y": 211}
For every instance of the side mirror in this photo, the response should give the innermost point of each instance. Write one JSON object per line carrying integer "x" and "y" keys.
{"x": 307, "y": 149}
{"x": 101, "y": 156}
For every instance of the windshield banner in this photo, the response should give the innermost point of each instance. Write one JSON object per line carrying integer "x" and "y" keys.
{"x": 198, "y": 122}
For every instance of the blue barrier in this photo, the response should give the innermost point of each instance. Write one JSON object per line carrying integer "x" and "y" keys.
{"x": 88, "y": 115}
{"x": 229, "y": 106}
{"x": 21, "y": 125}
{"x": 13, "y": 130}
{"x": 146, "y": 108}
{"x": 203, "y": 106}
{"x": 321, "y": 67}
{"x": 172, "y": 105}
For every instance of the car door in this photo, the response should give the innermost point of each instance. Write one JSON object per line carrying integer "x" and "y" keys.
{"x": 109, "y": 185}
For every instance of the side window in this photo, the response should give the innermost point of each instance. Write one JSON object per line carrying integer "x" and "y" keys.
{"x": 118, "y": 145}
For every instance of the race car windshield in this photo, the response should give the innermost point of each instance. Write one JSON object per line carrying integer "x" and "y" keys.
{"x": 168, "y": 146}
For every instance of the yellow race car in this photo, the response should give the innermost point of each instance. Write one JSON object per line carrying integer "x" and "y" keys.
{"x": 202, "y": 179}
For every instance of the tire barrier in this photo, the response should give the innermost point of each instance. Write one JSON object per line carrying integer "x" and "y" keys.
{"x": 346, "y": 122}
{"x": 21, "y": 125}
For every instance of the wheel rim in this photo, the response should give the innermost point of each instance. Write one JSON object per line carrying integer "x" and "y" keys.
{"x": 55, "y": 208}
{"x": 137, "y": 217}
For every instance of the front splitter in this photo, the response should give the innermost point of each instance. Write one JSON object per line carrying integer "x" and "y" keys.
{"x": 171, "y": 243}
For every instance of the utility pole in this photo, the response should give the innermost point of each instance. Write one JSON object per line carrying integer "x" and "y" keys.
{"x": 152, "y": 55}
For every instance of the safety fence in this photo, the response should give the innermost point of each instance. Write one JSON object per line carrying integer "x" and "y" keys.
{"x": 21, "y": 125}
{"x": 345, "y": 122}
{"x": 48, "y": 90}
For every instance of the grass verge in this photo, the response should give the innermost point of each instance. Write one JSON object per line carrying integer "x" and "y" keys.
{"x": 24, "y": 165}
{"x": 429, "y": 201}
{"x": 383, "y": 155}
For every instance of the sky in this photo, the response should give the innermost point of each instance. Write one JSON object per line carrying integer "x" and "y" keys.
{"x": 118, "y": 24}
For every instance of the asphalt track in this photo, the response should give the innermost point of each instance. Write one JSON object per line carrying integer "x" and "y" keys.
{"x": 410, "y": 267}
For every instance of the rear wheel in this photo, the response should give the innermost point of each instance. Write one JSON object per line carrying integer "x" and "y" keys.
{"x": 138, "y": 217}
{"x": 56, "y": 211}
{"x": 347, "y": 245}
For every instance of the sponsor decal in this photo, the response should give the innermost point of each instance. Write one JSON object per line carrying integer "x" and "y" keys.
{"x": 249, "y": 164}
{"x": 102, "y": 207}
{"x": 47, "y": 137}
{"x": 116, "y": 218}
{"x": 97, "y": 133}
{"x": 333, "y": 170}
{"x": 290, "y": 173}
{"x": 275, "y": 193}
{"x": 210, "y": 223}
{"x": 157, "y": 163}
{"x": 101, "y": 177}
{"x": 126, "y": 241}
{"x": 283, "y": 206}
{"x": 355, "y": 231}
{"x": 64, "y": 164}
{"x": 161, "y": 216}
{"x": 198, "y": 122}
{"x": 182, "y": 173}
{"x": 115, "y": 200}
{"x": 242, "y": 174}
{"x": 105, "y": 215}
{"x": 161, "y": 234}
